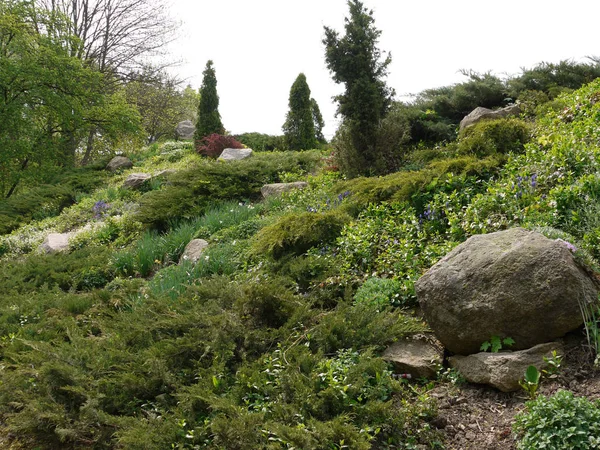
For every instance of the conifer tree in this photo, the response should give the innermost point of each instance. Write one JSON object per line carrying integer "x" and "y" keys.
{"x": 355, "y": 61}
{"x": 318, "y": 121}
{"x": 209, "y": 119}
{"x": 299, "y": 128}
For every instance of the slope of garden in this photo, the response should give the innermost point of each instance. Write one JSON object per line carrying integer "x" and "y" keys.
{"x": 273, "y": 338}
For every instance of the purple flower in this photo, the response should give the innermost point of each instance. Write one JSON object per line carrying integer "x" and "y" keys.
{"x": 570, "y": 246}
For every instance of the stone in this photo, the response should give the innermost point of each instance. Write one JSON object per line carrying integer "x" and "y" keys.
{"x": 193, "y": 250}
{"x": 513, "y": 283}
{"x": 416, "y": 356}
{"x": 185, "y": 130}
{"x": 235, "y": 154}
{"x": 269, "y": 190}
{"x": 56, "y": 243}
{"x": 481, "y": 113}
{"x": 119, "y": 163}
{"x": 503, "y": 370}
{"x": 136, "y": 180}
{"x": 164, "y": 173}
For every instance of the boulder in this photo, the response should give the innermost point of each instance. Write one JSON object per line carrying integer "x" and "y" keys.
{"x": 193, "y": 250}
{"x": 136, "y": 180}
{"x": 235, "y": 154}
{"x": 503, "y": 370}
{"x": 164, "y": 173}
{"x": 269, "y": 190}
{"x": 416, "y": 356}
{"x": 481, "y": 113}
{"x": 56, "y": 242}
{"x": 119, "y": 163}
{"x": 185, "y": 130}
{"x": 514, "y": 283}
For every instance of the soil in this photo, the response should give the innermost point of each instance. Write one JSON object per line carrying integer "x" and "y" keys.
{"x": 473, "y": 417}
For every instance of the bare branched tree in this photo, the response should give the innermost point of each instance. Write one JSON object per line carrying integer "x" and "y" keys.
{"x": 117, "y": 36}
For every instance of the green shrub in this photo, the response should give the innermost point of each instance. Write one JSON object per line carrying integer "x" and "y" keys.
{"x": 562, "y": 421}
{"x": 297, "y": 232}
{"x": 488, "y": 137}
{"x": 379, "y": 292}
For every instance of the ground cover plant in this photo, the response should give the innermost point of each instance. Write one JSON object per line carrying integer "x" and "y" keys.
{"x": 273, "y": 338}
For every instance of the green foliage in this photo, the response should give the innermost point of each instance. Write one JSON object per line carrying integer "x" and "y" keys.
{"x": 379, "y": 291}
{"x": 562, "y": 421}
{"x": 299, "y": 127}
{"x": 488, "y": 137}
{"x": 190, "y": 192}
{"x": 209, "y": 119}
{"x": 260, "y": 142}
{"x": 531, "y": 381}
{"x": 297, "y": 232}
{"x": 495, "y": 344}
{"x": 355, "y": 61}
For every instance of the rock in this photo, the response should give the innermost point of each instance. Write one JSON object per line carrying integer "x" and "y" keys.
{"x": 417, "y": 356}
{"x": 480, "y": 113}
{"x": 514, "y": 283}
{"x": 278, "y": 188}
{"x": 135, "y": 180}
{"x": 164, "y": 173}
{"x": 185, "y": 130}
{"x": 56, "y": 242}
{"x": 118, "y": 163}
{"x": 503, "y": 370}
{"x": 193, "y": 250}
{"x": 235, "y": 154}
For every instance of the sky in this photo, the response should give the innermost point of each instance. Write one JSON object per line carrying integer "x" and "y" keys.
{"x": 260, "y": 46}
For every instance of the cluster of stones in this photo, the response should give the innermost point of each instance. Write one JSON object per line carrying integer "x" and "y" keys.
{"x": 514, "y": 283}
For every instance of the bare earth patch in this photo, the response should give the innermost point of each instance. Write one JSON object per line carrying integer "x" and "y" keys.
{"x": 472, "y": 417}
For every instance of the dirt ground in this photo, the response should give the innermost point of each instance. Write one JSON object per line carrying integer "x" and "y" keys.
{"x": 472, "y": 417}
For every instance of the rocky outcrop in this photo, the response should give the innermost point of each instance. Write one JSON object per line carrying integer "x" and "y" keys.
{"x": 136, "y": 180}
{"x": 235, "y": 154}
{"x": 119, "y": 163}
{"x": 269, "y": 190}
{"x": 417, "y": 357}
{"x": 503, "y": 370}
{"x": 185, "y": 130}
{"x": 193, "y": 250}
{"x": 56, "y": 242}
{"x": 514, "y": 283}
{"x": 481, "y": 113}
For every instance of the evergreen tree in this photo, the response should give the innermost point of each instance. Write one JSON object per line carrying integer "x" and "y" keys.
{"x": 355, "y": 61}
{"x": 317, "y": 120}
{"x": 299, "y": 128}
{"x": 209, "y": 119}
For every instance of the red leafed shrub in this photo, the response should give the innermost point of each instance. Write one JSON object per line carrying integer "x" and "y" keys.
{"x": 214, "y": 144}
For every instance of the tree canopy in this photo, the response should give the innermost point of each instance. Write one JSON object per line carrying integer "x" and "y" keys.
{"x": 299, "y": 126}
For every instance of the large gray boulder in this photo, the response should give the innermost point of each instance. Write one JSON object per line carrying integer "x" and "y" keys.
{"x": 136, "y": 180}
{"x": 185, "y": 130}
{"x": 514, "y": 283}
{"x": 503, "y": 370}
{"x": 269, "y": 190}
{"x": 481, "y": 113}
{"x": 119, "y": 163}
{"x": 235, "y": 154}
{"x": 56, "y": 243}
{"x": 193, "y": 251}
{"x": 417, "y": 356}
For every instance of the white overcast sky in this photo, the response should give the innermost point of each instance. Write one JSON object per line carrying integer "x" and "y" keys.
{"x": 260, "y": 46}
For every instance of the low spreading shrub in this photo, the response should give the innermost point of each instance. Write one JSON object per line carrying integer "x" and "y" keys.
{"x": 562, "y": 421}
{"x": 488, "y": 137}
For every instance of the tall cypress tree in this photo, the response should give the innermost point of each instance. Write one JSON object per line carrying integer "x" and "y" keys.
{"x": 318, "y": 121}
{"x": 299, "y": 127}
{"x": 209, "y": 119}
{"x": 355, "y": 61}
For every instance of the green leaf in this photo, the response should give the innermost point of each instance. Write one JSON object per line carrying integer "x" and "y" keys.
{"x": 496, "y": 344}
{"x": 485, "y": 346}
{"x": 532, "y": 375}
{"x": 508, "y": 342}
